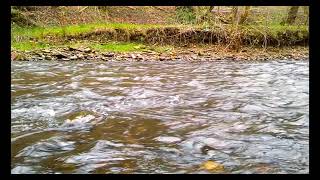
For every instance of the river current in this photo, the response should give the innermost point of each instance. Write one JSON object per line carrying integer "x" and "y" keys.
{"x": 159, "y": 117}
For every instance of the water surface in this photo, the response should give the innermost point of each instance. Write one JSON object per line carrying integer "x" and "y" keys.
{"x": 159, "y": 117}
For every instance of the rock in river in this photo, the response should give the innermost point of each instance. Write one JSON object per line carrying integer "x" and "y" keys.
{"x": 168, "y": 139}
{"x": 87, "y": 50}
{"x": 59, "y": 55}
{"x": 73, "y": 57}
{"x": 108, "y": 54}
{"x": 65, "y": 59}
{"x": 212, "y": 166}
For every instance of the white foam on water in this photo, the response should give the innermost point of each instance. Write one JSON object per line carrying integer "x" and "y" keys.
{"x": 35, "y": 111}
{"x": 168, "y": 139}
{"x": 22, "y": 170}
{"x": 79, "y": 120}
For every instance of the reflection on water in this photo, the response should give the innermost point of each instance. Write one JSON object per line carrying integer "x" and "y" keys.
{"x": 97, "y": 117}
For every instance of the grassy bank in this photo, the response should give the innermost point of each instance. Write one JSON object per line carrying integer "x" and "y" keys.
{"x": 123, "y": 37}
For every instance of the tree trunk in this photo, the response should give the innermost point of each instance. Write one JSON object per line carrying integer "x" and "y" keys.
{"x": 234, "y": 14}
{"x": 245, "y": 15}
{"x": 292, "y": 15}
{"x": 208, "y": 13}
{"x": 210, "y": 9}
{"x": 306, "y": 13}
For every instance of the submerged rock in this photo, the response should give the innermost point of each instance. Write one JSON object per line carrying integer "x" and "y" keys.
{"x": 212, "y": 166}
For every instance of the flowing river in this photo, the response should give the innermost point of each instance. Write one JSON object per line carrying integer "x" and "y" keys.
{"x": 159, "y": 117}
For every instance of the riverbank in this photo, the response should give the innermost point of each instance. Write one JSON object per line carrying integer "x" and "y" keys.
{"x": 196, "y": 53}
{"x": 151, "y": 34}
{"x": 121, "y": 41}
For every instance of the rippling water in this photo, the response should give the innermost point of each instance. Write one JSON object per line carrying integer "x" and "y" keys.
{"x": 157, "y": 117}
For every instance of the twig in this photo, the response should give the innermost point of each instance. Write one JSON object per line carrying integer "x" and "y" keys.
{"x": 83, "y": 8}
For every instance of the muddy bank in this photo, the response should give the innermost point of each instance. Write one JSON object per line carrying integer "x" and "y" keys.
{"x": 185, "y": 54}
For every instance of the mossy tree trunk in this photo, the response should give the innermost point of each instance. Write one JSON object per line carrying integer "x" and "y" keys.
{"x": 292, "y": 15}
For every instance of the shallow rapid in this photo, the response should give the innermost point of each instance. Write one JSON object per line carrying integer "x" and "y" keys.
{"x": 159, "y": 117}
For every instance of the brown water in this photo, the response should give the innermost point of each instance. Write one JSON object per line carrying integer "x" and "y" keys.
{"x": 157, "y": 117}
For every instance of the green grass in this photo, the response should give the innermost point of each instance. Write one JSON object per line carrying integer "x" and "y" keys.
{"x": 36, "y": 38}
{"x": 274, "y": 30}
{"x": 20, "y": 37}
{"x": 127, "y": 47}
{"x": 39, "y": 32}
{"x": 29, "y": 45}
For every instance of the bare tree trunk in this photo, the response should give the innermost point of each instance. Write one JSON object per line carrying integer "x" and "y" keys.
{"x": 234, "y": 14}
{"x": 306, "y": 13}
{"x": 210, "y": 9}
{"x": 209, "y": 12}
{"x": 292, "y": 15}
{"x": 245, "y": 15}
